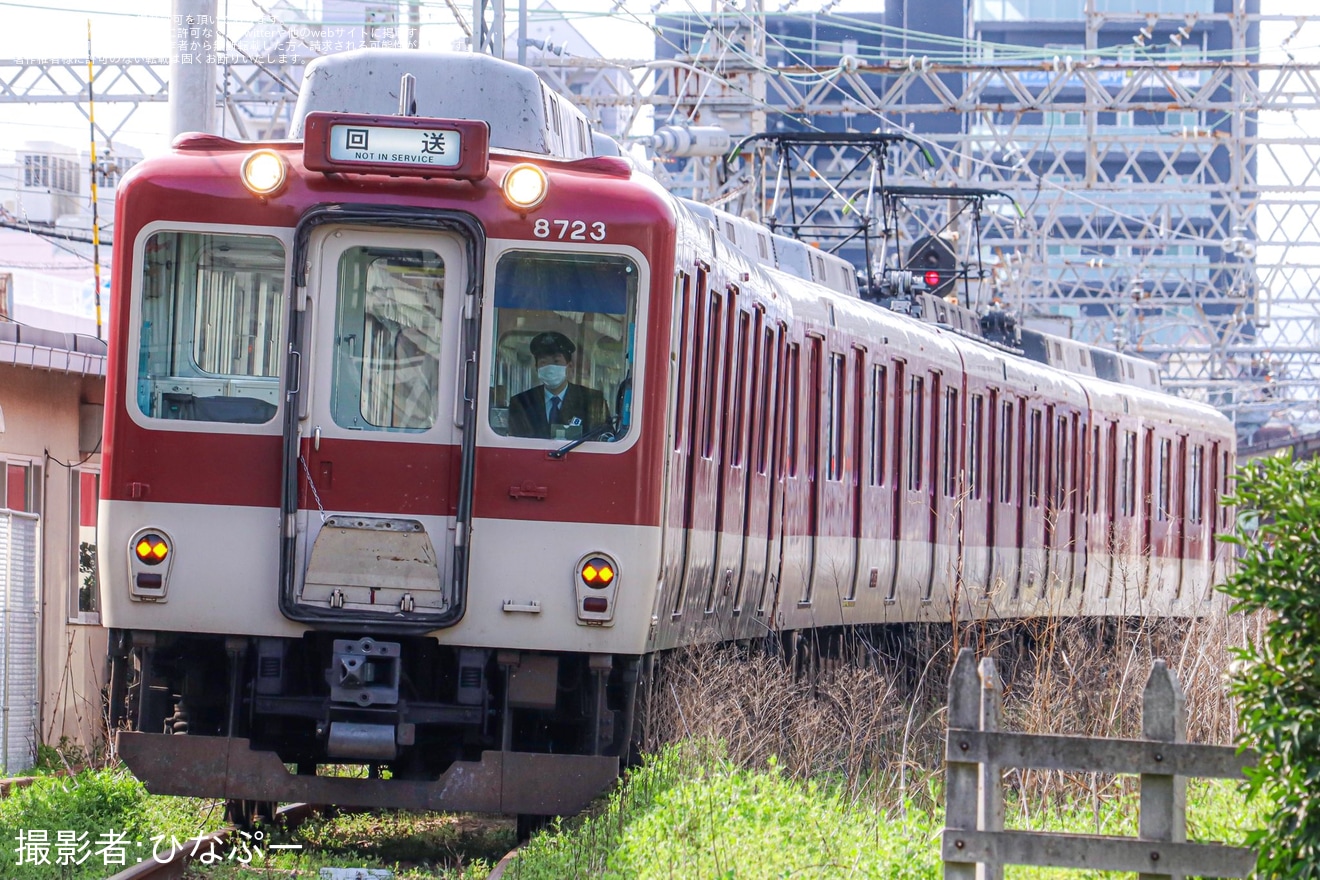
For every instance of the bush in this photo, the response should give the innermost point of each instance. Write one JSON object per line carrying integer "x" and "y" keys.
{"x": 1277, "y": 679}
{"x": 87, "y": 818}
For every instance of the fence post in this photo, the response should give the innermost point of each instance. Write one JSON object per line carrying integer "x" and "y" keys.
{"x": 991, "y": 813}
{"x": 960, "y": 784}
{"x": 1163, "y": 798}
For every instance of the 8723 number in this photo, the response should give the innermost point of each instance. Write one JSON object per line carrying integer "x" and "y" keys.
{"x": 569, "y": 230}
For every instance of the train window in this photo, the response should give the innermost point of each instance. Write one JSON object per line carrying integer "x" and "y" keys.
{"x": 835, "y": 429}
{"x": 1165, "y": 481}
{"x": 975, "y": 437}
{"x": 1061, "y": 463}
{"x": 212, "y": 324}
{"x": 386, "y": 373}
{"x": 1094, "y": 488}
{"x": 794, "y": 391}
{"x": 738, "y": 376}
{"x": 1006, "y": 454}
{"x": 1196, "y": 479}
{"x": 564, "y": 335}
{"x": 1128, "y": 468}
{"x": 916, "y": 431}
{"x": 950, "y": 463}
{"x": 879, "y": 397}
{"x": 1033, "y": 459}
{"x": 683, "y": 332}
{"x": 710, "y": 406}
{"x": 765, "y": 391}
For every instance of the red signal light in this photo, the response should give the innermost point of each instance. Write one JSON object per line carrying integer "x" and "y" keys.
{"x": 932, "y": 278}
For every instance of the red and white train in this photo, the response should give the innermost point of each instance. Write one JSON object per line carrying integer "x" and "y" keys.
{"x": 331, "y": 532}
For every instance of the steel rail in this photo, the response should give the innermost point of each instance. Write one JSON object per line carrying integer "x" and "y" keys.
{"x": 172, "y": 868}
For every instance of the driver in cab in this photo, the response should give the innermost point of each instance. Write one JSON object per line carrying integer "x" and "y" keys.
{"x": 557, "y": 408}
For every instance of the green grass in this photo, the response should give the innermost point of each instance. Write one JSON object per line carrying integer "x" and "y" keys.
{"x": 691, "y": 813}
{"x": 97, "y": 815}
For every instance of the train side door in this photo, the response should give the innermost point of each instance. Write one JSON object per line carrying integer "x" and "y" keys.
{"x": 731, "y": 502}
{"x": 702, "y": 450}
{"x": 755, "y": 566}
{"x": 376, "y": 437}
{"x": 1006, "y": 545}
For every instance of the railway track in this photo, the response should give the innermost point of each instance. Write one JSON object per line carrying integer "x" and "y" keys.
{"x": 207, "y": 847}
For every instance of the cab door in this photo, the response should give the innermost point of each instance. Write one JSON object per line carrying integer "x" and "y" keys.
{"x": 378, "y": 426}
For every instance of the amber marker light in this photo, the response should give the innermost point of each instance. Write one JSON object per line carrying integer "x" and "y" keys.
{"x": 264, "y": 172}
{"x": 525, "y": 186}
{"x": 597, "y": 573}
{"x": 151, "y": 549}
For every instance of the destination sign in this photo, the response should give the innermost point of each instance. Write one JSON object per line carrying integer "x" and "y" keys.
{"x": 436, "y": 147}
{"x": 397, "y": 146}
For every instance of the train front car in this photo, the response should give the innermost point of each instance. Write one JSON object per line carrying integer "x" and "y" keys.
{"x": 376, "y": 487}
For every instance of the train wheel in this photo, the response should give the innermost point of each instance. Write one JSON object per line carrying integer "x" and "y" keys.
{"x": 248, "y": 814}
{"x": 529, "y": 825}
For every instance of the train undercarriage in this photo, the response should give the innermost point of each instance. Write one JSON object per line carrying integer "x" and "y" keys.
{"x": 369, "y": 721}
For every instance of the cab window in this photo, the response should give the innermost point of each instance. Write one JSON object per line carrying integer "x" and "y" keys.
{"x": 564, "y": 340}
{"x": 212, "y": 316}
{"x": 386, "y": 373}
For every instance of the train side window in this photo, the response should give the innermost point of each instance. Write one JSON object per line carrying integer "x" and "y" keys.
{"x": 709, "y": 405}
{"x": 1196, "y": 480}
{"x": 1061, "y": 461}
{"x": 879, "y": 426}
{"x": 684, "y": 331}
{"x": 1006, "y": 454}
{"x": 386, "y": 372}
{"x": 951, "y": 432}
{"x": 916, "y": 431}
{"x": 1128, "y": 469}
{"x": 815, "y": 390}
{"x": 794, "y": 400}
{"x": 835, "y": 397}
{"x": 212, "y": 326}
{"x": 738, "y": 375}
{"x": 546, "y": 302}
{"x": 899, "y": 426}
{"x": 1164, "y": 480}
{"x": 975, "y": 437}
{"x": 764, "y": 403}
{"x": 1033, "y": 459}
{"x": 1095, "y": 469}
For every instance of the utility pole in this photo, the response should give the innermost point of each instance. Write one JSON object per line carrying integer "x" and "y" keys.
{"x": 192, "y": 67}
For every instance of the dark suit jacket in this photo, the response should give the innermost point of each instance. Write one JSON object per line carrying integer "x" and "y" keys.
{"x": 527, "y": 410}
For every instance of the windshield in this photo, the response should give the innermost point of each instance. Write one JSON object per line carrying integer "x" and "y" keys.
{"x": 564, "y": 333}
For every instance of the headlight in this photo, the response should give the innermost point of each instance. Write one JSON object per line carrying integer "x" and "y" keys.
{"x": 525, "y": 186}
{"x": 264, "y": 172}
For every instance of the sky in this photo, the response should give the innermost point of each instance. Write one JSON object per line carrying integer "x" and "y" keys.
{"x": 120, "y": 28}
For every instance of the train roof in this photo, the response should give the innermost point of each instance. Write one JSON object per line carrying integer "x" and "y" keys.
{"x": 524, "y": 114}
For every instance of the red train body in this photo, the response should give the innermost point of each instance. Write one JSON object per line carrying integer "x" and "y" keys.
{"x": 330, "y": 536}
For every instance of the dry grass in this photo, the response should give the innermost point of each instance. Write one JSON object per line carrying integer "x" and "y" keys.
{"x": 865, "y": 706}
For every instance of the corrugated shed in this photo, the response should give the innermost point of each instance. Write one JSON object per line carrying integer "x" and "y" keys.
{"x": 18, "y": 641}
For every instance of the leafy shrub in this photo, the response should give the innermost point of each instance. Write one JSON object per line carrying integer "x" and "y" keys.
{"x": 1277, "y": 680}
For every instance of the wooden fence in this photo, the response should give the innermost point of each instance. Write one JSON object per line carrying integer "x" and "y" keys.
{"x": 975, "y": 844}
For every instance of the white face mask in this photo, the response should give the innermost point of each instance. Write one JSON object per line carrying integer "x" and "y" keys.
{"x": 552, "y": 375}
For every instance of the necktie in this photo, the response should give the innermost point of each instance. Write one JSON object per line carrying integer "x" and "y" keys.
{"x": 554, "y": 411}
